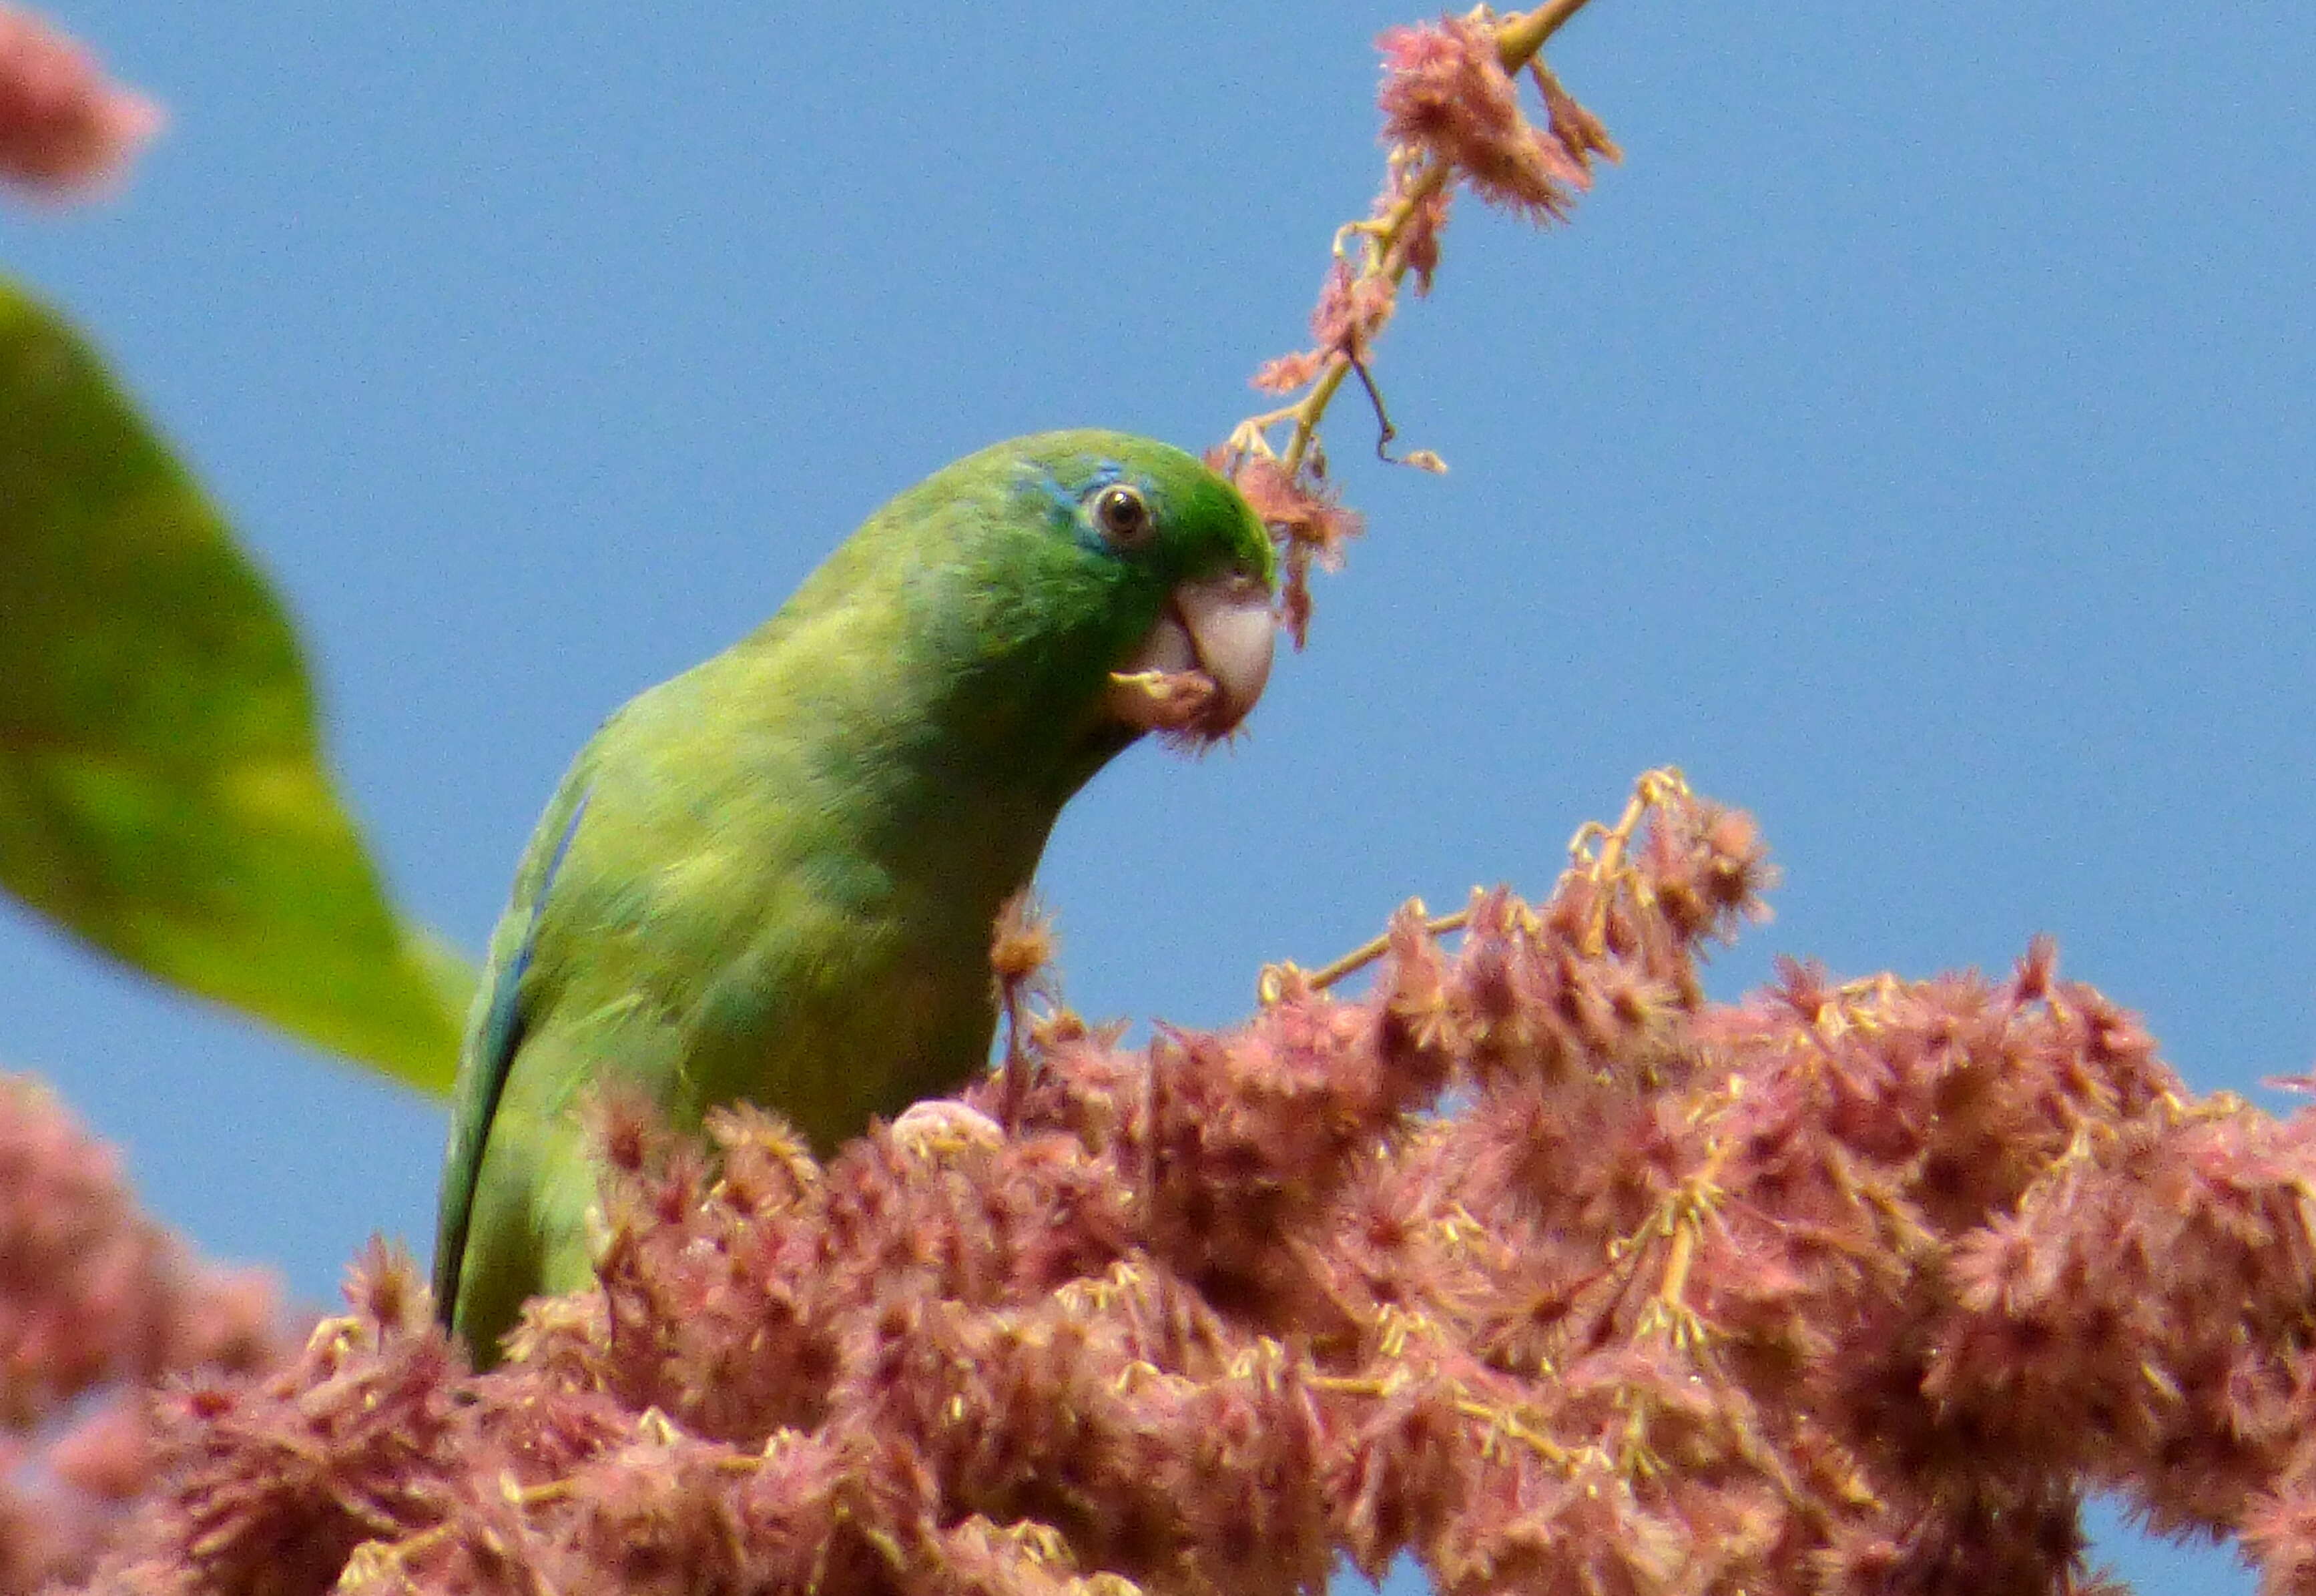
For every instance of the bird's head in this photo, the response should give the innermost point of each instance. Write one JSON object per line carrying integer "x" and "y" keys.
{"x": 1159, "y": 571}
{"x": 1043, "y": 603}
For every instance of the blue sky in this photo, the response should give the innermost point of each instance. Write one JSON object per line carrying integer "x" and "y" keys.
{"x": 1912, "y": 439}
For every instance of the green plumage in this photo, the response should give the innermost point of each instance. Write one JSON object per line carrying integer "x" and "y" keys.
{"x": 774, "y": 877}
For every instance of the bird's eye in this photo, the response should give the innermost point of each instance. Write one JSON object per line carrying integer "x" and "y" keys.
{"x": 1123, "y": 517}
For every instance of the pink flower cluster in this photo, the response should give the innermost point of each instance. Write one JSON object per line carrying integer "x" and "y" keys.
{"x": 1305, "y": 515}
{"x": 1850, "y": 1288}
{"x": 1447, "y": 96}
{"x": 1452, "y": 115}
{"x": 96, "y": 1300}
{"x": 63, "y": 129}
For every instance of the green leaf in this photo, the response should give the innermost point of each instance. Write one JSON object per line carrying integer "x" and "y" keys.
{"x": 162, "y": 792}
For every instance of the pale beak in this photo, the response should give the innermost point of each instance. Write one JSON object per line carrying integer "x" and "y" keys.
{"x": 1203, "y": 664}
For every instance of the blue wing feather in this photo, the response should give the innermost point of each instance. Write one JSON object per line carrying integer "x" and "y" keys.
{"x": 483, "y": 1075}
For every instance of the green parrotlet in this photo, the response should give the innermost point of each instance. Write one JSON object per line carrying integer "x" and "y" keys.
{"x": 774, "y": 877}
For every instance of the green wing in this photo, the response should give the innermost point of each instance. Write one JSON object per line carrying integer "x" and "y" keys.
{"x": 495, "y": 1031}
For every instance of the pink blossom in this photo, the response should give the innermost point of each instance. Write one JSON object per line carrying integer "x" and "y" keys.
{"x": 1419, "y": 240}
{"x": 1850, "y": 1285}
{"x": 1445, "y": 93}
{"x": 96, "y": 1300}
{"x": 1352, "y": 309}
{"x": 63, "y": 129}
{"x": 1309, "y": 521}
{"x": 1287, "y": 372}
{"x": 1574, "y": 129}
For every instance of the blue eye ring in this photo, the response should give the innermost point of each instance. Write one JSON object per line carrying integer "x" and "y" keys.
{"x": 1122, "y": 516}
